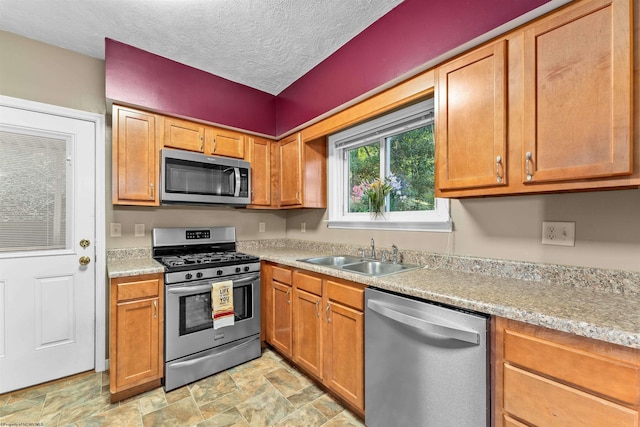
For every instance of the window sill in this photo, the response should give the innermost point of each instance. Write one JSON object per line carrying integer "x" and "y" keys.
{"x": 437, "y": 226}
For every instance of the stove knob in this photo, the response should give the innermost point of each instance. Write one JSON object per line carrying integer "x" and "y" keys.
{"x": 188, "y": 276}
{"x": 238, "y": 269}
{"x": 246, "y": 268}
{"x": 198, "y": 275}
{"x": 219, "y": 272}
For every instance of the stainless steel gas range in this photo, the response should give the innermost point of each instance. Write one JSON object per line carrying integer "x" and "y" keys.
{"x": 195, "y": 259}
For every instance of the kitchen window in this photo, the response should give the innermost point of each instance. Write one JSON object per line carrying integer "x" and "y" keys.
{"x": 396, "y": 151}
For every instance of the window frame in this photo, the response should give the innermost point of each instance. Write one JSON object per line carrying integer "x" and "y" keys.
{"x": 408, "y": 118}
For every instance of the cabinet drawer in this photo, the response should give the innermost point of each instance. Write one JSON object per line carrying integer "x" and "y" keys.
{"x": 137, "y": 290}
{"x": 282, "y": 275}
{"x": 351, "y": 295}
{"x": 603, "y": 376}
{"x": 543, "y": 402}
{"x": 308, "y": 283}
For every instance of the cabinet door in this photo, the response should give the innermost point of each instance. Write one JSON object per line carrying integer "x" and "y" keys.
{"x": 344, "y": 353}
{"x": 471, "y": 122}
{"x": 577, "y": 94}
{"x": 307, "y": 332}
{"x": 260, "y": 158}
{"x": 183, "y": 135}
{"x": 281, "y": 333}
{"x": 290, "y": 173}
{"x": 135, "y": 162}
{"x": 226, "y": 143}
{"x": 137, "y": 342}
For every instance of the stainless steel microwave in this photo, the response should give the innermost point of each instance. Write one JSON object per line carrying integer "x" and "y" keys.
{"x": 189, "y": 177}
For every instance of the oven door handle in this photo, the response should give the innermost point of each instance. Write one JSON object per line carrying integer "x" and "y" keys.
{"x": 194, "y": 289}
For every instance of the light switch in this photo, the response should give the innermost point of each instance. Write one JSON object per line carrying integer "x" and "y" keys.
{"x": 139, "y": 230}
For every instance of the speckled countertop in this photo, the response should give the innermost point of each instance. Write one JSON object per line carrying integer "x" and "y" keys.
{"x": 131, "y": 262}
{"x": 598, "y": 314}
{"x": 599, "y": 304}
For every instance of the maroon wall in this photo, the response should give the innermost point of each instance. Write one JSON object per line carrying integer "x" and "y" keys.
{"x": 137, "y": 77}
{"x": 411, "y": 34}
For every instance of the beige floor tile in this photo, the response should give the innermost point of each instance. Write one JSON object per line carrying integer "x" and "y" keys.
{"x": 262, "y": 392}
{"x": 229, "y": 418}
{"x": 177, "y": 394}
{"x": 266, "y": 409}
{"x": 307, "y": 416}
{"x": 182, "y": 413}
{"x": 122, "y": 416}
{"x": 327, "y": 406}
{"x": 211, "y": 388}
{"x": 285, "y": 381}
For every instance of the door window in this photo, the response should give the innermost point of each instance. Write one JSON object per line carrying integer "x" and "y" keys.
{"x": 36, "y": 180}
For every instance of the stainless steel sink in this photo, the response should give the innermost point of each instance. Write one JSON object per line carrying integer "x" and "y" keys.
{"x": 360, "y": 265}
{"x": 378, "y": 268}
{"x": 333, "y": 260}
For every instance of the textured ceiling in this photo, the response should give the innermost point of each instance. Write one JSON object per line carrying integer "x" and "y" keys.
{"x": 265, "y": 44}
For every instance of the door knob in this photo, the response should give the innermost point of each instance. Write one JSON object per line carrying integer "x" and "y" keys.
{"x": 84, "y": 243}
{"x": 84, "y": 260}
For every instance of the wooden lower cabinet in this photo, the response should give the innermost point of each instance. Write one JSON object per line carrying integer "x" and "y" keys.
{"x": 344, "y": 341}
{"x": 136, "y": 335}
{"x": 550, "y": 378}
{"x": 326, "y": 321}
{"x": 279, "y": 326}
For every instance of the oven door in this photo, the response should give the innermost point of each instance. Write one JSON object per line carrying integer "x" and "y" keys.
{"x": 188, "y": 322}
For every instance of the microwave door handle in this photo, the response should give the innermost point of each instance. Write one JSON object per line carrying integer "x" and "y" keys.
{"x": 236, "y": 172}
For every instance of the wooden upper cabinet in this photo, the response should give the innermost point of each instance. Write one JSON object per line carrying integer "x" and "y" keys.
{"x": 135, "y": 157}
{"x": 290, "y": 173}
{"x": 578, "y": 93}
{"x": 472, "y": 119}
{"x": 224, "y": 142}
{"x": 183, "y": 134}
{"x": 259, "y": 155}
{"x": 299, "y": 173}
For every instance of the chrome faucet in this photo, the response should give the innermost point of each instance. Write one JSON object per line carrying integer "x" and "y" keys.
{"x": 373, "y": 249}
{"x": 394, "y": 256}
{"x": 383, "y": 255}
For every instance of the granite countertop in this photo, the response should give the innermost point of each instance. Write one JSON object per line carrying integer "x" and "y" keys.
{"x": 133, "y": 267}
{"x": 589, "y": 304}
{"x": 592, "y": 313}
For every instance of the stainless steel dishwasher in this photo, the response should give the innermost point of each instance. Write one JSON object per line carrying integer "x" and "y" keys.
{"x": 425, "y": 364}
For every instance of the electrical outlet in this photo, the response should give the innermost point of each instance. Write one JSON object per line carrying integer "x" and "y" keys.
{"x": 558, "y": 233}
{"x": 261, "y": 227}
{"x": 303, "y": 227}
{"x": 116, "y": 229}
{"x": 139, "y": 230}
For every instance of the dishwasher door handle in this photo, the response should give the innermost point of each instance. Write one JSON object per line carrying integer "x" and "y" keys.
{"x": 453, "y": 332}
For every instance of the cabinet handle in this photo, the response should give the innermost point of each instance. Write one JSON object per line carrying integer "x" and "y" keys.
{"x": 298, "y": 196}
{"x": 288, "y": 299}
{"x": 155, "y": 309}
{"x": 318, "y": 308}
{"x": 498, "y": 162}
{"x": 201, "y": 143}
{"x": 527, "y": 161}
{"x": 326, "y": 312}
{"x": 215, "y": 144}
{"x": 151, "y": 189}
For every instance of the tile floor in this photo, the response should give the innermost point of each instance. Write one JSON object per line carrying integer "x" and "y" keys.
{"x": 264, "y": 392}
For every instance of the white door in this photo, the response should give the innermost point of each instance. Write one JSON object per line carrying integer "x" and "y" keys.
{"x": 47, "y": 207}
